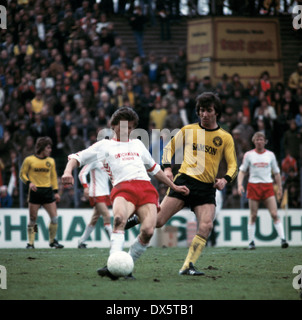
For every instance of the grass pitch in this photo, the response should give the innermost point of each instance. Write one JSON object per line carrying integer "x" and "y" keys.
{"x": 230, "y": 273}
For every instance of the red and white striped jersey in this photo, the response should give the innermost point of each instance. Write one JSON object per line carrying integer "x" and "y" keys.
{"x": 99, "y": 180}
{"x": 260, "y": 166}
{"x": 123, "y": 161}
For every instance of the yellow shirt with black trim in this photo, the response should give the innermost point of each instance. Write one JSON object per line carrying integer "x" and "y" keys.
{"x": 40, "y": 171}
{"x": 200, "y": 151}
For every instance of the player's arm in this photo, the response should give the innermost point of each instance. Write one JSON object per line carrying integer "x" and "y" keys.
{"x": 154, "y": 169}
{"x": 232, "y": 171}
{"x": 83, "y": 179}
{"x": 79, "y": 159}
{"x": 240, "y": 179}
{"x": 160, "y": 176}
{"x": 278, "y": 180}
{"x": 54, "y": 177}
{"x": 24, "y": 172}
{"x": 83, "y": 176}
{"x": 242, "y": 172}
{"x": 54, "y": 181}
{"x": 169, "y": 152}
{"x": 231, "y": 159}
{"x": 24, "y": 175}
{"x": 67, "y": 177}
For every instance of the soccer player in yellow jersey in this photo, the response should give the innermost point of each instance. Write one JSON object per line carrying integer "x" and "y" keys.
{"x": 38, "y": 171}
{"x": 201, "y": 147}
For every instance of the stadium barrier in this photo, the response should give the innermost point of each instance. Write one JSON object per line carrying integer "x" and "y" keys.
{"x": 231, "y": 228}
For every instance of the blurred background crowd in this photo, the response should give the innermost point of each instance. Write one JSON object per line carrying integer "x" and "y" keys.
{"x": 64, "y": 70}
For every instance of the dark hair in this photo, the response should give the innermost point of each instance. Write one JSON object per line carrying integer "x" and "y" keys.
{"x": 42, "y": 143}
{"x": 208, "y": 99}
{"x": 124, "y": 113}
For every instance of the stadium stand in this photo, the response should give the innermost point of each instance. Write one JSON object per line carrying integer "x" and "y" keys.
{"x": 67, "y": 65}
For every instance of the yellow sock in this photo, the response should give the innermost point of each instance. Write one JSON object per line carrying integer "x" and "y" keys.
{"x": 31, "y": 232}
{"x": 196, "y": 247}
{"x": 52, "y": 230}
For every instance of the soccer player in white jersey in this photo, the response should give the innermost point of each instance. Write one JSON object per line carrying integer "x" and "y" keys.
{"x": 126, "y": 162}
{"x": 97, "y": 190}
{"x": 261, "y": 163}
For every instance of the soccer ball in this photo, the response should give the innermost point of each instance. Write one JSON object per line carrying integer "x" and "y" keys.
{"x": 120, "y": 264}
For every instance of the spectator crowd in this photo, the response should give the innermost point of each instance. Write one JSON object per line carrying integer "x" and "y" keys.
{"x": 64, "y": 70}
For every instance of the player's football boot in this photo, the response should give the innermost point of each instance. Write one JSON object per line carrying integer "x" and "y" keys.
{"x": 30, "y": 246}
{"x": 130, "y": 277}
{"x": 82, "y": 246}
{"x": 284, "y": 244}
{"x": 132, "y": 221}
{"x": 191, "y": 271}
{"x": 104, "y": 272}
{"x": 252, "y": 245}
{"x": 55, "y": 244}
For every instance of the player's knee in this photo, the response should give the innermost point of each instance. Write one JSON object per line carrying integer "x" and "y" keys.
{"x": 119, "y": 221}
{"x": 205, "y": 228}
{"x": 106, "y": 215}
{"x": 147, "y": 233}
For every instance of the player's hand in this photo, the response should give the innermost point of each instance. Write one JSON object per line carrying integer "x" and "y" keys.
{"x": 67, "y": 179}
{"x": 168, "y": 173}
{"x": 57, "y": 197}
{"x": 86, "y": 193}
{"x": 220, "y": 183}
{"x": 182, "y": 189}
{"x": 32, "y": 187}
{"x": 240, "y": 190}
{"x": 279, "y": 194}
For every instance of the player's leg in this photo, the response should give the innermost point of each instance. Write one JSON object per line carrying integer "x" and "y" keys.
{"x": 122, "y": 210}
{"x": 102, "y": 208}
{"x": 89, "y": 228}
{"x": 32, "y": 227}
{"x": 51, "y": 209}
{"x": 168, "y": 207}
{"x": 271, "y": 205}
{"x": 251, "y": 227}
{"x": 147, "y": 215}
{"x": 205, "y": 215}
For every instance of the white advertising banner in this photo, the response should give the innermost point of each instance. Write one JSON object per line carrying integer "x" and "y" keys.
{"x": 230, "y": 227}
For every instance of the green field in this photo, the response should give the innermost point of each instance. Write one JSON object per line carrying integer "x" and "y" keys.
{"x": 231, "y": 273}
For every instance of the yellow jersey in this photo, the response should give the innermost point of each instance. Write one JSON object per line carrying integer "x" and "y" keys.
{"x": 40, "y": 171}
{"x": 200, "y": 151}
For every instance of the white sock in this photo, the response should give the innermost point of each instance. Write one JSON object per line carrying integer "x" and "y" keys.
{"x": 251, "y": 228}
{"x": 117, "y": 241}
{"x": 137, "y": 249}
{"x": 280, "y": 230}
{"x": 86, "y": 234}
{"x": 108, "y": 229}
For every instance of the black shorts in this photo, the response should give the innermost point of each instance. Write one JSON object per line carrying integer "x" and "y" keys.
{"x": 41, "y": 196}
{"x": 200, "y": 192}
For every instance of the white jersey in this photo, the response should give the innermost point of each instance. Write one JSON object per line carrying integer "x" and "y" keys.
{"x": 99, "y": 180}
{"x": 260, "y": 166}
{"x": 123, "y": 161}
